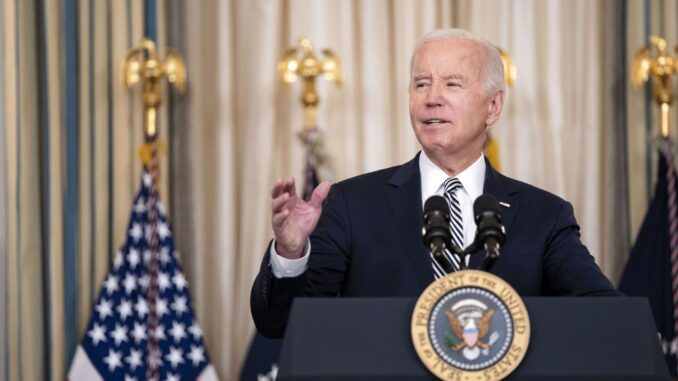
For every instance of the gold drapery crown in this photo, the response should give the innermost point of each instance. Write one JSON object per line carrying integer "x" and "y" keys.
{"x": 301, "y": 62}
{"x": 661, "y": 66}
{"x": 142, "y": 65}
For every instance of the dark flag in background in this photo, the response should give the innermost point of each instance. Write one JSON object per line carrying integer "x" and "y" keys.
{"x": 316, "y": 160}
{"x": 648, "y": 272}
{"x": 310, "y": 179}
{"x": 261, "y": 363}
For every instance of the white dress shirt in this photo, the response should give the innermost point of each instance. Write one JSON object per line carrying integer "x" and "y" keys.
{"x": 432, "y": 178}
{"x": 472, "y": 179}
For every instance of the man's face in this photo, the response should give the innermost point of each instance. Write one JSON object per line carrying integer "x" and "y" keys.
{"x": 449, "y": 106}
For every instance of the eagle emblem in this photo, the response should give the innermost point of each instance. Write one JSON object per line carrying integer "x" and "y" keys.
{"x": 470, "y": 331}
{"x": 463, "y": 320}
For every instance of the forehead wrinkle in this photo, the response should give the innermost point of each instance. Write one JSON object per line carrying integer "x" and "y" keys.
{"x": 421, "y": 75}
{"x": 451, "y": 76}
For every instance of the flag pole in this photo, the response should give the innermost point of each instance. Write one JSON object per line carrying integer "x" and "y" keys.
{"x": 142, "y": 65}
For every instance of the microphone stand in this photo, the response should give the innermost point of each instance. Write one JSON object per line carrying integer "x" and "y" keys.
{"x": 463, "y": 254}
{"x": 491, "y": 256}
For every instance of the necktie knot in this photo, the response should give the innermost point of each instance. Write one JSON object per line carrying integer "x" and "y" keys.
{"x": 451, "y": 184}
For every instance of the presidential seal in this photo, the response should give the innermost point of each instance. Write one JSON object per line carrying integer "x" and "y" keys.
{"x": 470, "y": 325}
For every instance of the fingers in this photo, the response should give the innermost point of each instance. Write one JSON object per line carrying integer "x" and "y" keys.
{"x": 279, "y": 218}
{"x": 320, "y": 194}
{"x": 283, "y": 186}
{"x": 291, "y": 187}
{"x": 277, "y": 188}
{"x": 283, "y": 190}
{"x": 278, "y": 202}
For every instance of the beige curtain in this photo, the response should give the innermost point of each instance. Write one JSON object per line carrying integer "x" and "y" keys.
{"x": 243, "y": 121}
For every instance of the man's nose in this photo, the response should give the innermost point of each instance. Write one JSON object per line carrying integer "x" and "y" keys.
{"x": 434, "y": 96}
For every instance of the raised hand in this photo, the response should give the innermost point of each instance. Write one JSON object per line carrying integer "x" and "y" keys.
{"x": 293, "y": 219}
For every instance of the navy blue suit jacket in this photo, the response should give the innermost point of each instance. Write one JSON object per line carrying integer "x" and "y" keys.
{"x": 368, "y": 243}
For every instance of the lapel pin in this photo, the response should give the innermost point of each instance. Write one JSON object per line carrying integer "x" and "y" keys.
{"x": 504, "y": 204}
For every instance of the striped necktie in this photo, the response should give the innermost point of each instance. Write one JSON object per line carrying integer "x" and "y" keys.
{"x": 450, "y": 186}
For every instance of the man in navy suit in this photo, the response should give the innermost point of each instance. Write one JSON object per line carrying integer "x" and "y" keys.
{"x": 363, "y": 237}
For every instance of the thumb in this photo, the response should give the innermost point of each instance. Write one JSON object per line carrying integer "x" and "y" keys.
{"x": 320, "y": 194}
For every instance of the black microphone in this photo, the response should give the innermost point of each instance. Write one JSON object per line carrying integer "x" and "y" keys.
{"x": 436, "y": 231}
{"x": 490, "y": 233}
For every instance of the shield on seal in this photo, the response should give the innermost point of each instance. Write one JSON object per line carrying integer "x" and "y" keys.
{"x": 470, "y": 333}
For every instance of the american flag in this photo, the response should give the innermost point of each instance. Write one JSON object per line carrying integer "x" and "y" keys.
{"x": 120, "y": 343}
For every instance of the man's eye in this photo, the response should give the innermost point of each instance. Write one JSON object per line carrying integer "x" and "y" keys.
{"x": 419, "y": 85}
{"x": 453, "y": 84}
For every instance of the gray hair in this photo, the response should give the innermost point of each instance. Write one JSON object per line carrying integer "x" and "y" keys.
{"x": 494, "y": 67}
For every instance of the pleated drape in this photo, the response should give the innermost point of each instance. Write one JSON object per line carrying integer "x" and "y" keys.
{"x": 69, "y": 136}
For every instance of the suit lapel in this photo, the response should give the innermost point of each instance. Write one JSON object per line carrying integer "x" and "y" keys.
{"x": 404, "y": 198}
{"x": 498, "y": 186}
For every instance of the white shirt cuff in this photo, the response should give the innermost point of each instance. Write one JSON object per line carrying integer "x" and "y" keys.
{"x": 288, "y": 268}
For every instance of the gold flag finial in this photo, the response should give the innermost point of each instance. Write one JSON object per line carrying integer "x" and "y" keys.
{"x": 302, "y": 62}
{"x": 142, "y": 65}
{"x": 661, "y": 66}
{"x": 510, "y": 74}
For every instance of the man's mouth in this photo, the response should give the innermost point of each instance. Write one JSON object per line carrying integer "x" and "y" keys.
{"x": 434, "y": 122}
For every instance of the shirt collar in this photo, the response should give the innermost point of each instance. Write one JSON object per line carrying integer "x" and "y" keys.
{"x": 432, "y": 177}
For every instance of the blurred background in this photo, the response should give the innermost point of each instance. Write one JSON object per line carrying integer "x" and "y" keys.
{"x": 69, "y": 135}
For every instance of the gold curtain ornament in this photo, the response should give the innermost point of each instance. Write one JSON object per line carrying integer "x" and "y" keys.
{"x": 301, "y": 62}
{"x": 661, "y": 66}
{"x": 142, "y": 65}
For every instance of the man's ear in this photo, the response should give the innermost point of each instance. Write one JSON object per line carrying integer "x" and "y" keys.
{"x": 494, "y": 108}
